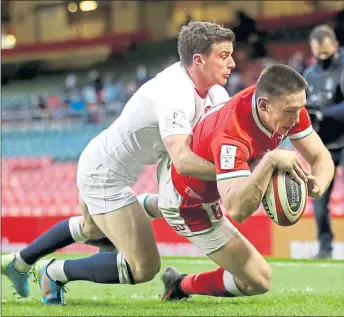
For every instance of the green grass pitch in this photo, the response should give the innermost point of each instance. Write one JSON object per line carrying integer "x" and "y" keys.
{"x": 299, "y": 288}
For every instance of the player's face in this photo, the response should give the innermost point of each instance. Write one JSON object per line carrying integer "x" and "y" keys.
{"x": 325, "y": 49}
{"x": 284, "y": 112}
{"x": 218, "y": 65}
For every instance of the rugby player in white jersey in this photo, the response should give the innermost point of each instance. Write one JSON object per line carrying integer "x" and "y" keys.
{"x": 156, "y": 122}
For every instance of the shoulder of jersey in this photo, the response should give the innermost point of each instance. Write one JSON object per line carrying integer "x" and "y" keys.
{"x": 220, "y": 94}
{"x": 173, "y": 76}
{"x": 173, "y": 72}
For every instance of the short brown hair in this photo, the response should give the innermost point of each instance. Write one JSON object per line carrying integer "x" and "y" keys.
{"x": 279, "y": 79}
{"x": 198, "y": 38}
{"x": 320, "y": 32}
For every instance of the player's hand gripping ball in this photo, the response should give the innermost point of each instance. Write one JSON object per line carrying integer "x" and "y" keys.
{"x": 285, "y": 200}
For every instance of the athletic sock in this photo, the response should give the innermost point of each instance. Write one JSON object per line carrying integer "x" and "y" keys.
{"x": 62, "y": 234}
{"x": 218, "y": 283}
{"x": 104, "y": 267}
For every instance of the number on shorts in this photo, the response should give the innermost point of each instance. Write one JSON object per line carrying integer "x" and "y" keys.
{"x": 179, "y": 228}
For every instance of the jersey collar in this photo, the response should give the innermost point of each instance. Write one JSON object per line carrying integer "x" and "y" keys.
{"x": 257, "y": 119}
{"x": 193, "y": 84}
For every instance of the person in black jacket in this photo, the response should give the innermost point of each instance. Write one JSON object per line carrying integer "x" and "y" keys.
{"x": 325, "y": 104}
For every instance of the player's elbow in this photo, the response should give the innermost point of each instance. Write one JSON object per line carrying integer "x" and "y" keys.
{"x": 181, "y": 164}
{"x": 234, "y": 213}
{"x": 232, "y": 210}
{"x": 237, "y": 216}
{"x": 240, "y": 209}
{"x": 180, "y": 167}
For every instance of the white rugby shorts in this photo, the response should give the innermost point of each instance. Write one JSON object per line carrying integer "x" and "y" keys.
{"x": 203, "y": 225}
{"x": 101, "y": 182}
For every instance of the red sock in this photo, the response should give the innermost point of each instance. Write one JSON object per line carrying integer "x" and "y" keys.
{"x": 207, "y": 283}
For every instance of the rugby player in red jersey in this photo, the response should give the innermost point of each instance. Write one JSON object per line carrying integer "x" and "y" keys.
{"x": 247, "y": 128}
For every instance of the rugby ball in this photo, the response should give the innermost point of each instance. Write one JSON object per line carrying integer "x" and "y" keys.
{"x": 285, "y": 200}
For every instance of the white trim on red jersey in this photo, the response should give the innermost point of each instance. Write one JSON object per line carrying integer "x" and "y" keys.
{"x": 302, "y": 134}
{"x": 256, "y": 118}
{"x": 235, "y": 174}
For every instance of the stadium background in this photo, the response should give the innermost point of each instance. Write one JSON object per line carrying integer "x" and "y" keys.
{"x": 68, "y": 67}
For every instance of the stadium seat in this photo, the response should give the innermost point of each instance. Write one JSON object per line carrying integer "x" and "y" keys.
{"x": 41, "y": 185}
{"x": 61, "y": 144}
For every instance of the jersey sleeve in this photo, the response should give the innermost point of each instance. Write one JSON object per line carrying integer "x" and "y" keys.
{"x": 230, "y": 156}
{"x": 303, "y": 128}
{"x": 175, "y": 112}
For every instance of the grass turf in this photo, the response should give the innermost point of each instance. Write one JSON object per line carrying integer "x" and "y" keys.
{"x": 299, "y": 288}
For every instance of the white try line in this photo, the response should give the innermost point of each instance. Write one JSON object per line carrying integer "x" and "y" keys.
{"x": 277, "y": 264}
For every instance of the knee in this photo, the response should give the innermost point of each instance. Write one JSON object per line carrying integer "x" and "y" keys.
{"x": 263, "y": 283}
{"x": 90, "y": 231}
{"x": 145, "y": 272}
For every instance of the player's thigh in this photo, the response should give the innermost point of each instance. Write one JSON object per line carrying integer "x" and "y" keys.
{"x": 239, "y": 257}
{"x": 114, "y": 208}
{"x": 89, "y": 228}
{"x": 117, "y": 213}
{"x": 130, "y": 230}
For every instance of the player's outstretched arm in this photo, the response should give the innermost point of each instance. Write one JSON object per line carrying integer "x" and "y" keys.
{"x": 187, "y": 162}
{"x": 242, "y": 196}
{"x": 319, "y": 158}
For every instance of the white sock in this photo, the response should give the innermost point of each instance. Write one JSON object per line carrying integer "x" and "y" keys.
{"x": 56, "y": 272}
{"x": 231, "y": 285}
{"x": 142, "y": 200}
{"x": 19, "y": 264}
{"x": 75, "y": 229}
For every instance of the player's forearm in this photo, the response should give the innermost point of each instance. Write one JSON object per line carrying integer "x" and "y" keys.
{"x": 323, "y": 171}
{"x": 190, "y": 164}
{"x": 244, "y": 199}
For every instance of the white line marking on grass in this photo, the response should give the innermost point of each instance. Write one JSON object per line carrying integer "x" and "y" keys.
{"x": 139, "y": 297}
{"x": 308, "y": 264}
{"x": 308, "y": 289}
{"x": 277, "y": 264}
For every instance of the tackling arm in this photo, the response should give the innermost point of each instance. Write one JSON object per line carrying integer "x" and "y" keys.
{"x": 187, "y": 162}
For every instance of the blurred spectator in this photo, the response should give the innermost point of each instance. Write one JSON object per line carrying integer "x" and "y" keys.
{"x": 131, "y": 88}
{"x": 113, "y": 91}
{"x": 71, "y": 82}
{"x": 71, "y": 87}
{"x": 142, "y": 75}
{"x": 53, "y": 101}
{"x": 325, "y": 103}
{"x": 39, "y": 102}
{"x": 257, "y": 46}
{"x": 97, "y": 82}
{"x": 297, "y": 61}
{"x": 244, "y": 26}
{"x": 89, "y": 95}
{"x": 234, "y": 83}
{"x": 76, "y": 103}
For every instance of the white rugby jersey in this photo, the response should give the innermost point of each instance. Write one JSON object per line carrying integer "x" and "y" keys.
{"x": 166, "y": 105}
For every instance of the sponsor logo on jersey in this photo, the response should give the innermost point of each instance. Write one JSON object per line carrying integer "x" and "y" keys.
{"x": 128, "y": 193}
{"x": 191, "y": 193}
{"x": 177, "y": 119}
{"x": 227, "y": 156}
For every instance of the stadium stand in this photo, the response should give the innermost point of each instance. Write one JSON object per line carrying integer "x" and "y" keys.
{"x": 40, "y": 153}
